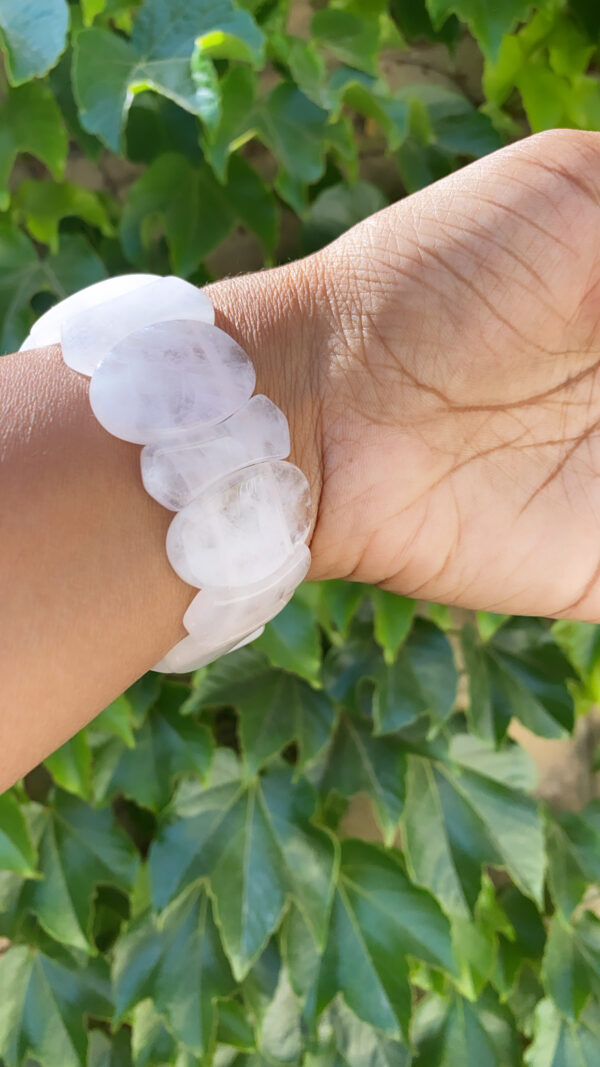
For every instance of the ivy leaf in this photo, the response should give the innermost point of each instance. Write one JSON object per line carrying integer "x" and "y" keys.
{"x": 79, "y": 849}
{"x": 422, "y": 679}
{"x": 71, "y": 766}
{"x": 557, "y": 1042}
{"x": 167, "y": 745}
{"x": 117, "y": 720}
{"x": 239, "y": 87}
{"x": 292, "y": 641}
{"x": 274, "y": 708}
{"x": 295, "y": 130}
{"x": 573, "y": 856}
{"x": 519, "y": 672}
{"x": 43, "y": 1006}
{"x": 17, "y": 851}
{"x": 456, "y": 819}
{"x": 378, "y": 919}
{"x": 355, "y": 37}
{"x": 30, "y": 121}
{"x": 450, "y": 1030}
{"x": 358, "y": 1043}
{"x": 393, "y": 618}
{"x": 267, "y": 822}
{"x": 254, "y": 202}
{"x": 42, "y": 205}
{"x": 357, "y": 762}
{"x": 194, "y": 222}
{"x": 32, "y": 34}
{"x": 332, "y": 212}
{"x": 148, "y": 963}
{"x": 487, "y": 22}
{"x": 23, "y": 274}
{"x": 108, "y": 69}
{"x": 571, "y": 966}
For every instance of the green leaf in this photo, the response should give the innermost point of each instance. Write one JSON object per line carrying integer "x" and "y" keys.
{"x": 148, "y": 963}
{"x": 253, "y": 200}
{"x": 167, "y": 746}
{"x": 117, "y": 719}
{"x": 573, "y": 842}
{"x": 17, "y": 852}
{"x": 23, "y": 275}
{"x": 266, "y": 822}
{"x": 352, "y": 37}
{"x": 378, "y": 919}
{"x": 450, "y": 1031}
{"x": 422, "y": 680}
{"x": 561, "y": 1043}
{"x": 571, "y": 967}
{"x": 357, "y": 762}
{"x": 235, "y": 125}
{"x": 292, "y": 640}
{"x": 79, "y": 849}
{"x": 331, "y": 213}
{"x": 168, "y": 34}
{"x": 274, "y": 708}
{"x": 393, "y": 616}
{"x": 42, "y": 205}
{"x": 193, "y": 222}
{"x": 519, "y": 672}
{"x": 488, "y": 22}
{"x": 358, "y": 1043}
{"x": 43, "y": 1007}
{"x": 71, "y": 766}
{"x": 32, "y": 34}
{"x": 295, "y": 130}
{"x": 457, "y": 819}
{"x": 30, "y": 121}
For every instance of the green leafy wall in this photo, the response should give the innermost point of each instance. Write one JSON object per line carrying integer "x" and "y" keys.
{"x": 179, "y": 884}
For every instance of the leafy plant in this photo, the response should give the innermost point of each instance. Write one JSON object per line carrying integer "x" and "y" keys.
{"x": 324, "y": 850}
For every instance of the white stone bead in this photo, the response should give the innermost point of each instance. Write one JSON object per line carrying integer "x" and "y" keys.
{"x": 170, "y": 377}
{"x": 87, "y": 336}
{"x": 189, "y": 654}
{"x": 46, "y": 331}
{"x": 242, "y": 528}
{"x": 218, "y": 615}
{"x": 174, "y": 472}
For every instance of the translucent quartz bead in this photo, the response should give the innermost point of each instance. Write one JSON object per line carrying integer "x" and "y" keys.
{"x": 189, "y": 654}
{"x": 47, "y": 329}
{"x": 87, "y": 336}
{"x": 174, "y": 472}
{"x": 218, "y": 615}
{"x": 241, "y": 529}
{"x": 170, "y": 377}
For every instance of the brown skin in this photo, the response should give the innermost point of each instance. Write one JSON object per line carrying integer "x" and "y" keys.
{"x": 439, "y": 365}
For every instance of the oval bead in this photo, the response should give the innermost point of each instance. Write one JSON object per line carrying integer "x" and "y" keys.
{"x": 189, "y": 654}
{"x": 219, "y": 615}
{"x": 87, "y": 336}
{"x": 170, "y": 377}
{"x": 241, "y": 529}
{"x": 174, "y": 472}
{"x": 47, "y": 329}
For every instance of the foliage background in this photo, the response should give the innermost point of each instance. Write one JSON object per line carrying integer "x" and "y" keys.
{"x": 177, "y": 884}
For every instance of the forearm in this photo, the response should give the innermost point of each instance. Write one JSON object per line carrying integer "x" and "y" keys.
{"x": 88, "y": 599}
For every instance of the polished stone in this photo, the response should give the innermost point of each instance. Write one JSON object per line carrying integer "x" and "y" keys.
{"x": 241, "y": 529}
{"x": 174, "y": 472}
{"x": 189, "y": 654}
{"x": 168, "y": 378}
{"x": 47, "y": 329}
{"x": 87, "y": 336}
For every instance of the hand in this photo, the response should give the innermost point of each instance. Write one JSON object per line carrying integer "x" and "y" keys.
{"x": 460, "y": 396}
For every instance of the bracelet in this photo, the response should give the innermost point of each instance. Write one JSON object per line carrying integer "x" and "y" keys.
{"x": 164, "y": 376}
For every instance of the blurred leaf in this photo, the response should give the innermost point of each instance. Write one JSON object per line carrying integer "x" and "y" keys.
{"x": 456, "y": 819}
{"x": 393, "y": 618}
{"x": 267, "y": 822}
{"x": 488, "y": 22}
{"x": 295, "y": 130}
{"x": 108, "y": 69}
{"x": 71, "y": 766}
{"x": 378, "y": 919}
{"x": 148, "y": 963}
{"x": 355, "y": 37}
{"x": 30, "y": 121}
{"x": 33, "y": 33}
{"x": 518, "y": 672}
{"x": 451, "y": 1031}
{"x": 422, "y": 679}
{"x": 17, "y": 852}
{"x": 42, "y": 205}
{"x": 43, "y": 1006}
{"x": 571, "y": 967}
{"x": 274, "y": 708}
{"x": 560, "y": 1043}
{"x": 573, "y": 856}
{"x": 292, "y": 640}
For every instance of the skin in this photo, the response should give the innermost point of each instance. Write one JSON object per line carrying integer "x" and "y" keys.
{"x": 439, "y": 365}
